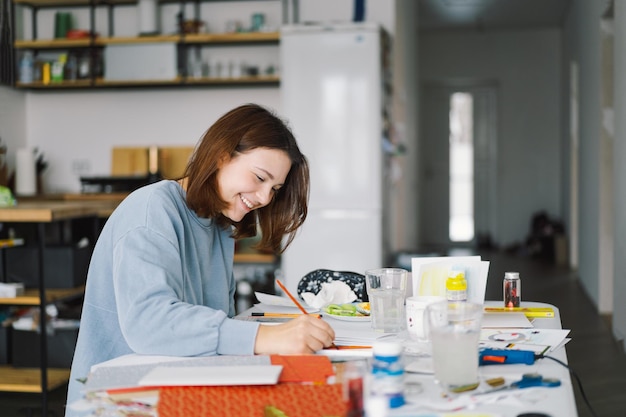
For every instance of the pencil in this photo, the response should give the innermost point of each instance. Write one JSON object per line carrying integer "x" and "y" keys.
{"x": 297, "y": 303}
{"x": 293, "y": 299}
{"x": 285, "y": 315}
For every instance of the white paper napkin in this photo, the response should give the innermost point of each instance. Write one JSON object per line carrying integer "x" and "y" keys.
{"x": 334, "y": 292}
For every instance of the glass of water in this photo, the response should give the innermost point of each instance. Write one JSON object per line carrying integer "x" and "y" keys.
{"x": 386, "y": 290}
{"x": 454, "y": 334}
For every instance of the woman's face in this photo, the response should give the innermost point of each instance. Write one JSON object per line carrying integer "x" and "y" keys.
{"x": 248, "y": 181}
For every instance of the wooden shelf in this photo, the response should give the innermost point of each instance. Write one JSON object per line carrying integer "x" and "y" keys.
{"x": 62, "y": 43}
{"x": 71, "y": 3}
{"x": 45, "y": 212}
{"x": 254, "y": 258}
{"x": 29, "y": 379}
{"x": 196, "y": 38}
{"x": 56, "y": 84}
{"x": 179, "y": 81}
{"x": 31, "y": 296}
{"x": 239, "y": 37}
{"x": 138, "y": 39}
{"x": 260, "y": 79}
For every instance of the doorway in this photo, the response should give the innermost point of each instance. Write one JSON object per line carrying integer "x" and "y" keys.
{"x": 458, "y": 205}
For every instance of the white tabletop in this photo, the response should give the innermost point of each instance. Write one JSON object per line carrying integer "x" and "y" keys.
{"x": 554, "y": 402}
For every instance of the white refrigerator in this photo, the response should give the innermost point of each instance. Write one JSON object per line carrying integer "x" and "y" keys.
{"x": 334, "y": 84}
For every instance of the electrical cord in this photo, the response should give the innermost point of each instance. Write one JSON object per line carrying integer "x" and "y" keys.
{"x": 580, "y": 385}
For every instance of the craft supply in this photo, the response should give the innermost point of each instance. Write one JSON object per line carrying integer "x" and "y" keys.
{"x": 531, "y": 312}
{"x": 296, "y": 302}
{"x": 285, "y": 315}
{"x": 506, "y": 357}
{"x": 512, "y": 289}
{"x": 388, "y": 373}
{"x": 456, "y": 285}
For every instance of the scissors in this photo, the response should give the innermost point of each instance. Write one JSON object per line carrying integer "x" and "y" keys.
{"x": 528, "y": 381}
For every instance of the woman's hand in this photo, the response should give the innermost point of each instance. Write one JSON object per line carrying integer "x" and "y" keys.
{"x": 306, "y": 334}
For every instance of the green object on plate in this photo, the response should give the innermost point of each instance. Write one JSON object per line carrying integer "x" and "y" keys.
{"x": 341, "y": 309}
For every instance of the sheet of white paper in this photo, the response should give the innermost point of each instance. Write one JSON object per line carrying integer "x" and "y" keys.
{"x": 212, "y": 375}
{"x": 429, "y": 275}
{"x": 537, "y": 340}
{"x": 126, "y": 371}
{"x": 505, "y": 320}
{"x": 275, "y": 300}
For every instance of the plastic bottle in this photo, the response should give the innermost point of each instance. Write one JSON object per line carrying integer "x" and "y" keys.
{"x": 512, "y": 289}
{"x": 388, "y": 373}
{"x": 57, "y": 69}
{"x": 456, "y": 285}
{"x": 27, "y": 67}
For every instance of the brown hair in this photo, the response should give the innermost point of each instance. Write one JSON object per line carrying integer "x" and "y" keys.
{"x": 240, "y": 130}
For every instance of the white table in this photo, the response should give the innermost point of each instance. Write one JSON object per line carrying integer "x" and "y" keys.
{"x": 555, "y": 402}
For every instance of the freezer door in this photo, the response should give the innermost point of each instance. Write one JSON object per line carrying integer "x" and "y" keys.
{"x": 334, "y": 239}
{"x": 331, "y": 97}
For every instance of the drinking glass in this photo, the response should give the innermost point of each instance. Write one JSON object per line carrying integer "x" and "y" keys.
{"x": 386, "y": 290}
{"x": 454, "y": 334}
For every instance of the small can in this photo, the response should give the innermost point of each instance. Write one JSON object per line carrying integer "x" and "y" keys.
{"x": 512, "y": 288}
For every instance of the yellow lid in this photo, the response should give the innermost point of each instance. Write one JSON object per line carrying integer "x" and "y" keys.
{"x": 456, "y": 281}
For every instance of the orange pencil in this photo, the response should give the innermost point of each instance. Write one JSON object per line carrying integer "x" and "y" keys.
{"x": 297, "y": 303}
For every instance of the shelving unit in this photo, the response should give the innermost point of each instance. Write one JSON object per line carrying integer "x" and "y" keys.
{"x": 184, "y": 42}
{"x": 40, "y": 214}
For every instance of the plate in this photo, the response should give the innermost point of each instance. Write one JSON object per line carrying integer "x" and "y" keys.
{"x": 348, "y": 318}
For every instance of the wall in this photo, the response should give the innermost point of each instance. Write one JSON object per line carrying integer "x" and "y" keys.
{"x": 582, "y": 45}
{"x": 526, "y": 67}
{"x": 406, "y": 93}
{"x": 619, "y": 289}
{"x": 77, "y": 130}
{"x": 12, "y": 122}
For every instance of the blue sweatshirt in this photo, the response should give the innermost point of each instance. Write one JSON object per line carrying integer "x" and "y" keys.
{"x": 160, "y": 282}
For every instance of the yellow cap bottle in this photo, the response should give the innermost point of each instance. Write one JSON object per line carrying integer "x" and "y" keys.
{"x": 456, "y": 286}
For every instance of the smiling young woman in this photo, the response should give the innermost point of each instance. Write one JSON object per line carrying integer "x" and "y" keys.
{"x": 161, "y": 279}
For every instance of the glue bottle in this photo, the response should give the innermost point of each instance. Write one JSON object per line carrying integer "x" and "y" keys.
{"x": 387, "y": 380}
{"x": 456, "y": 285}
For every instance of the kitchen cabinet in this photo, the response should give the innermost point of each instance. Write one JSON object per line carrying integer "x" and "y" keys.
{"x": 42, "y": 216}
{"x": 88, "y": 51}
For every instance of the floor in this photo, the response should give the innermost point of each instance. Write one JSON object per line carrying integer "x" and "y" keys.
{"x": 592, "y": 353}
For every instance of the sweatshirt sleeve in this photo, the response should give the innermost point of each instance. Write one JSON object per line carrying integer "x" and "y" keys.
{"x": 163, "y": 310}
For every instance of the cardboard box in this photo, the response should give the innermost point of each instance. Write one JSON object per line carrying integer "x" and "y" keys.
{"x": 64, "y": 266}
{"x": 26, "y": 348}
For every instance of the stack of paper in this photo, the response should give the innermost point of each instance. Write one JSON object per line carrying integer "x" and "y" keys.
{"x": 214, "y": 386}
{"x": 540, "y": 341}
{"x": 429, "y": 275}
